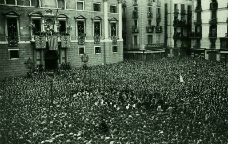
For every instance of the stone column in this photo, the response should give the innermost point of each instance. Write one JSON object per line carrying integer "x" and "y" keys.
{"x": 106, "y": 33}
{"x": 120, "y": 19}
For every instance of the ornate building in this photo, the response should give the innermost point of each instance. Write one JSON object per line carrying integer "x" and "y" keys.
{"x": 53, "y": 33}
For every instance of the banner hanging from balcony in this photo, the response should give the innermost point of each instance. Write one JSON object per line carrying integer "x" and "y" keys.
{"x": 65, "y": 41}
{"x": 40, "y": 42}
{"x": 53, "y": 42}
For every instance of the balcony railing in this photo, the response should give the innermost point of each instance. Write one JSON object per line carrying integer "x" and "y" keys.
{"x": 150, "y": 29}
{"x": 114, "y": 40}
{"x": 198, "y": 9}
{"x": 149, "y": 14}
{"x": 97, "y": 39}
{"x": 12, "y": 41}
{"x": 135, "y": 29}
{"x": 213, "y": 21}
{"x": 81, "y": 39}
{"x": 135, "y": 14}
{"x": 158, "y": 29}
{"x": 195, "y": 35}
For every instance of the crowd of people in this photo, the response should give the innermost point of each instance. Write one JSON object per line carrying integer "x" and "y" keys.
{"x": 168, "y": 100}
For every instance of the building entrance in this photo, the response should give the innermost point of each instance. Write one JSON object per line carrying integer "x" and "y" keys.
{"x": 51, "y": 60}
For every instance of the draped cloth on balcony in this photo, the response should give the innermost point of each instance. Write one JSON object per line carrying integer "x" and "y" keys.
{"x": 65, "y": 41}
{"x": 53, "y": 42}
{"x": 40, "y": 42}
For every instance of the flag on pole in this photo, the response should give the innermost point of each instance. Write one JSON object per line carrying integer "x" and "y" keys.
{"x": 53, "y": 43}
{"x": 181, "y": 79}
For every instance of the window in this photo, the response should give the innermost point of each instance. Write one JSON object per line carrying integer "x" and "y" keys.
{"x": 80, "y": 5}
{"x": 150, "y": 39}
{"x": 81, "y": 27}
{"x": 12, "y": 2}
{"x": 23, "y": 2}
{"x": 96, "y": 7}
{"x": 48, "y": 3}
{"x": 114, "y": 49}
{"x": 97, "y": 50}
{"x": 70, "y": 4}
{"x": 13, "y": 53}
{"x": 61, "y": 4}
{"x": 113, "y": 29}
{"x": 113, "y": 9}
{"x": 62, "y": 26}
{"x": 135, "y": 40}
{"x": 35, "y": 3}
{"x": 36, "y": 26}
{"x": 12, "y": 28}
{"x": 97, "y": 28}
{"x": 81, "y": 50}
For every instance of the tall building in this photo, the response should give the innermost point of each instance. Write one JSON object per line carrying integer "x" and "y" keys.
{"x": 209, "y": 38}
{"x": 145, "y": 24}
{"x": 178, "y": 25}
{"x": 55, "y": 32}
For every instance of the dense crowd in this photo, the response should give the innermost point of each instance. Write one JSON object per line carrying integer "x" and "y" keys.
{"x": 130, "y": 102}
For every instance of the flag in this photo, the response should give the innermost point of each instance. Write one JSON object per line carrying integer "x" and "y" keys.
{"x": 65, "y": 41}
{"x": 40, "y": 42}
{"x": 53, "y": 43}
{"x": 181, "y": 79}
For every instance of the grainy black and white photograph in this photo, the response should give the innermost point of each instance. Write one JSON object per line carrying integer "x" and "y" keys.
{"x": 113, "y": 71}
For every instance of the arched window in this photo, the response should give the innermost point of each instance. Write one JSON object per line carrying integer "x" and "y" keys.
{"x": 23, "y": 2}
{"x": 48, "y": 3}
{"x": 61, "y": 4}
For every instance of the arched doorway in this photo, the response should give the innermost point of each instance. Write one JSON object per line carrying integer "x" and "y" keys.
{"x": 51, "y": 60}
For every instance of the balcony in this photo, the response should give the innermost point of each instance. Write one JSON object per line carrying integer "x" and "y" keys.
{"x": 196, "y": 35}
{"x": 114, "y": 40}
{"x": 81, "y": 39}
{"x": 150, "y": 29}
{"x": 179, "y": 23}
{"x": 158, "y": 29}
{"x": 158, "y": 18}
{"x": 198, "y": 9}
{"x": 212, "y": 34}
{"x": 135, "y": 14}
{"x": 213, "y": 21}
{"x": 183, "y": 12}
{"x": 135, "y": 29}
{"x": 12, "y": 41}
{"x": 97, "y": 39}
{"x": 150, "y": 15}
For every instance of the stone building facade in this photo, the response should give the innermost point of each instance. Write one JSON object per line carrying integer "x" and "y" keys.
{"x": 57, "y": 32}
{"x": 210, "y": 29}
{"x": 145, "y": 24}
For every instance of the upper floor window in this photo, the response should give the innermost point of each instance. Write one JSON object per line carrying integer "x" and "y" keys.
{"x": 48, "y": 3}
{"x": 35, "y": 3}
{"x": 12, "y": 27}
{"x": 80, "y": 5}
{"x": 61, "y": 4}
{"x": 62, "y": 27}
{"x": 97, "y": 28}
{"x": 113, "y": 29}
{"x": 11, "y": 2}
{"x": 81, "y": 27}
{"x": 23, "y": 2}
{"x": 36, "y": 26}
{"x": 113, "y": 9}
{"x": 97, "y": 7}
